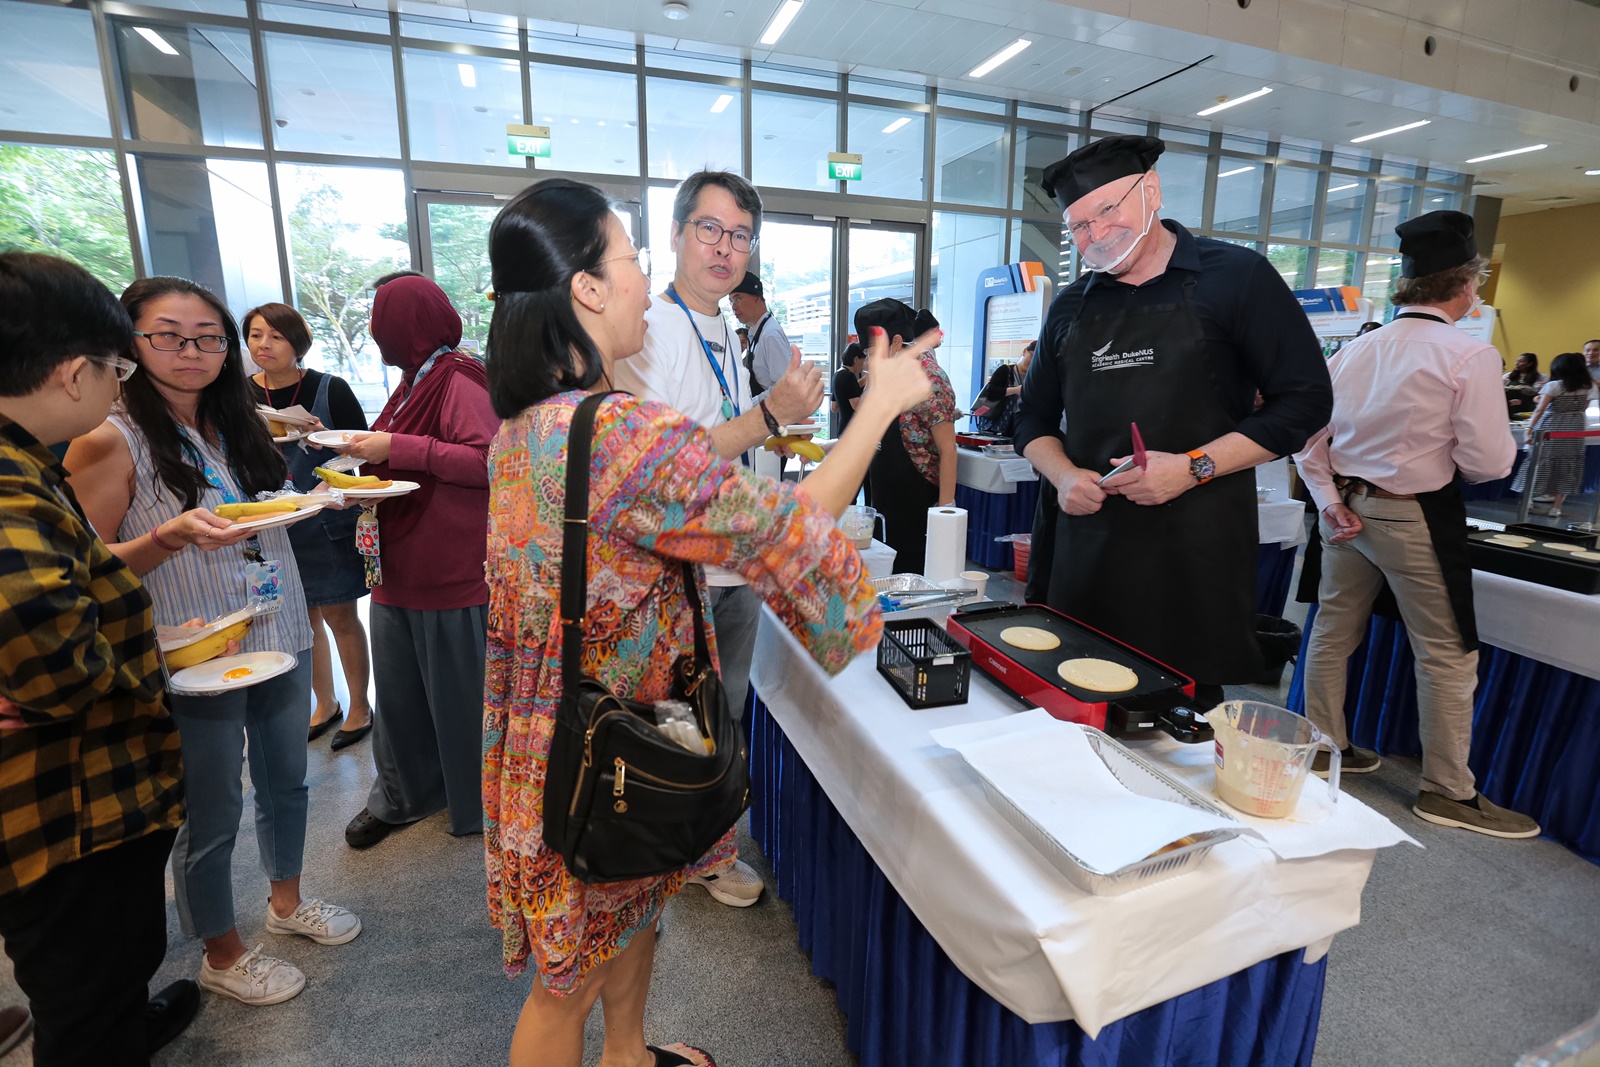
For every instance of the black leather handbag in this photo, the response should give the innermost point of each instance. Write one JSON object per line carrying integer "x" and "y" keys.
{"x": 623, "y": 800}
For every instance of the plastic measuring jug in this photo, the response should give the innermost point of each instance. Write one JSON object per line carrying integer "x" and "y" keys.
{"x": 1264, "y": 755}
{"x": 858, "y": 523}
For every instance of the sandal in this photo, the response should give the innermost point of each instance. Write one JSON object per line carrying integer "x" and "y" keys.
{"x": 679, "y": 1055}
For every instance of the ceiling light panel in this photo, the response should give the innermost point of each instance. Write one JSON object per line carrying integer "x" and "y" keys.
{"x": 1010, "y": 51}
{"x": 1235, "y": 102}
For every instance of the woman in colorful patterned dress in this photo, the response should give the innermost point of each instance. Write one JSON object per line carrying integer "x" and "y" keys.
{"x": 570, "y": 302}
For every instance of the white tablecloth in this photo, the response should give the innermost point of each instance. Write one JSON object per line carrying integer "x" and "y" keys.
{"x": 989, "y": 474}
{"x": 1004, "y": 916}
{"x": 1281, "y": 522}
{"x": 1554, "y": 626}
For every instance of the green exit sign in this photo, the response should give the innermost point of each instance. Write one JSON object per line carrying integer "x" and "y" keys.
{"x": 528, "y": 140}
{"x": 844, "y": 166}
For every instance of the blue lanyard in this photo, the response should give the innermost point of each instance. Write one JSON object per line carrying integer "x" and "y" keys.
{"x": 730, "y": 401}
{"x": 421, "y": 373}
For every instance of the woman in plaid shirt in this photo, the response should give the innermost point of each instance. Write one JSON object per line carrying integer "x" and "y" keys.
{"x": 89, "y": 758}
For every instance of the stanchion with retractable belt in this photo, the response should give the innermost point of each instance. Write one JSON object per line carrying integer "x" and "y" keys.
{"x": 1536, "y": 449}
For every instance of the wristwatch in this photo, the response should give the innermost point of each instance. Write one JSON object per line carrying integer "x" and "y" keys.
{"x": 1202, "y": 467}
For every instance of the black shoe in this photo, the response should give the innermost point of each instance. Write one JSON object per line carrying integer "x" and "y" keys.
{"x": 346, "y": 738}
{"x": 366, "y": 830}
{"x": 169, "y": 1011}
{"x": 325, "y": 725}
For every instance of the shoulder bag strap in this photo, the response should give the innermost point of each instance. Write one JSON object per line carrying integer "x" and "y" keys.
{"x": 575, "y": 552}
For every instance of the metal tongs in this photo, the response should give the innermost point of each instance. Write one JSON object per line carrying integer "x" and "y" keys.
{"x": 1138, "y": 459}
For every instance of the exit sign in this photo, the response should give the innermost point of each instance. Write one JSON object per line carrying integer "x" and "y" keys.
{"x": 844, "y": 166}
{"x": 528, "y": 140}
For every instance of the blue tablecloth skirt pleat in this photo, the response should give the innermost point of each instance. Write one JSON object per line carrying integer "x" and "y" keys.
{"x": 906, "y": 1003}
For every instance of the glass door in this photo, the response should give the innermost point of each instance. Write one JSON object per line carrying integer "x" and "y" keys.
{"x": 797, "y": 261}
{"x": 884, "y": 260}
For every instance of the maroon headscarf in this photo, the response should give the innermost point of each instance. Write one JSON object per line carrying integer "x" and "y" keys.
{"x": 412, "y": 318}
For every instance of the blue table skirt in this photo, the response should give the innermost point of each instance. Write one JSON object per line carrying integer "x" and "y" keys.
{"x": 991, "y": 515}
{"x": 905, "y": 1003}
{"x": 1535, "y": 728}
{"x": 1501, "y": 487}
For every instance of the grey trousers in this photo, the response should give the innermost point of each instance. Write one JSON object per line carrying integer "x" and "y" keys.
{"x": 735, "y": 614}
{"x": 427, "y": 736}
{"x": 1394, "y": 544}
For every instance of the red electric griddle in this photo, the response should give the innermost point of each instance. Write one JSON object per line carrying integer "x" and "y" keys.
{"x": 1161, "y": 700}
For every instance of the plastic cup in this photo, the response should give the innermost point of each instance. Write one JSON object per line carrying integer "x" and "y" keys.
{"x": 977, "y": 581}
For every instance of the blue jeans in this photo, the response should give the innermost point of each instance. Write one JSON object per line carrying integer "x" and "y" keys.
{"x": 213, "y": 730}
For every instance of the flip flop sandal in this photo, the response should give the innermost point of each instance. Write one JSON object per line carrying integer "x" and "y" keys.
{"x": 681, "y": 1055}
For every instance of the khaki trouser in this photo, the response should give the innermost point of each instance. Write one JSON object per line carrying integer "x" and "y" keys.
{"x": 1394, "y": 544}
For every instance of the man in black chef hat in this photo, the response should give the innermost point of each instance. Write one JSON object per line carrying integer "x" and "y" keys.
{"x": 1175, "y": 333}
{"x": 1414, "y": 404}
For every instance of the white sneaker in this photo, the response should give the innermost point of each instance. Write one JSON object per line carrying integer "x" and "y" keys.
{"x": 738, "y": 887}
{"x": 324, "y": 923}
{"x": 254, "y": 979}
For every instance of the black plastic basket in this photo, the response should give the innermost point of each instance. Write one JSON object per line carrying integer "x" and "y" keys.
{"x": 924, "y": 664}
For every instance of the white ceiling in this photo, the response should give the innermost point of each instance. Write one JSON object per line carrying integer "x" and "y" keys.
{"x": 1081, "y": 57}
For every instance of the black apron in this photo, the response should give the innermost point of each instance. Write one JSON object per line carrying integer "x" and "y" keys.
{"x": 1177, "y": 580}
{"x": 902, "y": 496}
{"x": 1444, "y": 511}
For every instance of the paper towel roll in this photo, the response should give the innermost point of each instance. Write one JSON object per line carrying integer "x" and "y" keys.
{"x": 947, "y": 544}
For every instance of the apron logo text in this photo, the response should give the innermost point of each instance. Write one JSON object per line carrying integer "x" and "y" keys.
{"x": 1105, "y": 359}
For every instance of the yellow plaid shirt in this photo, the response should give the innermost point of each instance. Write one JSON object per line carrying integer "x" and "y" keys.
{"x": 89, "y": 757}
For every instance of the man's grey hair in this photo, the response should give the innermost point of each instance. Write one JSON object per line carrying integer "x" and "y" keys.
{"x": 744, "y": 195}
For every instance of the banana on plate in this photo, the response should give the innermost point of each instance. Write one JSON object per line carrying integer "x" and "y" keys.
{"x": 208, "y": 647}
{"x": 341, "y": 480}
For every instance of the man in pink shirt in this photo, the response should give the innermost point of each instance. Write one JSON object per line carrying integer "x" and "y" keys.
{"x": 1413, "y": 404}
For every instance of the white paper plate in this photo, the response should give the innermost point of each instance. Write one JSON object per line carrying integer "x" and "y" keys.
{"x": 338, "y": 438}
{"x": 288, "y": 518}
{"x": 208, "y": 677}
{"x": 399, "y": 488}
{"x": 276, "y": 415}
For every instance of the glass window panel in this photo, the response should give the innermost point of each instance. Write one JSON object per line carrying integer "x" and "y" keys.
{"x": 211, "y": 220}
{"x": 663, "y": 263}
{"x": 1304, "y": 151}
{"x": 458, "y": 240}
{"x": 502, "y": 35}
{"x": 963, "y": 245}
{"x": 346, "y": 227}
{"x": 205, "y": 94}
{"x": 1057, "y": 115}
{"x": 1180, "y": 135}
{"x": 793, "y": 136}
{"x": 557, "y": 44}
{"x": 1036, "y": 150}
{"x": 50, "y": 72}
{"x": 1352, "y": 158}
{"x": 1238, "y": 204}
{"x": 1378, "y": 281}
{"x": 1294, "y": 195}
{"x": 692, "y": 126}
{"x": 1235, "y": 142}
{"x": 1400, "y": 167}
{"x": 458, "y": 107}
{"x": 1290, "y": 261}
{"x": 66, "y": 202}
{"x": 887, "y": 90}
{"x": 234, "y": 8}
{"x": 1335, "y": 267}
{"x": 964, "y": 102}
{"x": 969, "y": 164}
{"x": 1183, "y": 187}
{"x": 593, "y": 117}
{"x": 811, "y": 79}
{"x": 1395, "y": 204}
{"x": 1341, "y": 220}
{"x": 883, "y": 263}
{"x": 1046, "y": 243}
{"x": 1445, "y": 176}
{"x": 668, "y": 59}
{"x": 796, "y": 267}
{"x": 330, "y": 18}
{"x": 1109, "y": 124}
{"x": 1443, "y": 200}
{"x": 892, "y": 144}
{"x": 332, "y": 96}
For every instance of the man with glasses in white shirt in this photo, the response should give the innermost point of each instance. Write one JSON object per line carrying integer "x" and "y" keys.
{"x": 691, "y": 361}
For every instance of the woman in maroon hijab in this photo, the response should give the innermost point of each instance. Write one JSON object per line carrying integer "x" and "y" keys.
{"x": 428, "y": 594}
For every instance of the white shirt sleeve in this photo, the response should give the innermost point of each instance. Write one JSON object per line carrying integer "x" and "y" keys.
{"x": 1484, "y": 449}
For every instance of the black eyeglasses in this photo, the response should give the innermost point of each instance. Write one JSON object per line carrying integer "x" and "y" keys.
{"x": 166, "y": 341}
{"x": 1080, "y": 230}
{"x": 710, "y": 232}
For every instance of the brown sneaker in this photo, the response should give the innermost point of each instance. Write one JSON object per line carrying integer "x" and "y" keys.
{"x": 1352, "y": 760}
{"x": 1478, "y": 815}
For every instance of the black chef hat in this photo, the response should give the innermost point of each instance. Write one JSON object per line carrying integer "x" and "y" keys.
{"x": 1081, "y": 173}
{"x": 895, "y": 317}
{"x": 1435, "y": 242}
{"x": 751, "y": 286}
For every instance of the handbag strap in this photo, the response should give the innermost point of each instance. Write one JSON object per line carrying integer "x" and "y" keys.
{"x": 575, "y": 552}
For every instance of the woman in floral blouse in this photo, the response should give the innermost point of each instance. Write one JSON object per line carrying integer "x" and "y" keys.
{"x": 570, "y": 301}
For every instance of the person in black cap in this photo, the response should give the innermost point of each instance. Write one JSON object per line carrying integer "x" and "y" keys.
{"x": 1176, "y": 333}
{"x": 1414, "y": 404}
{"x": 768, "y": 353}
